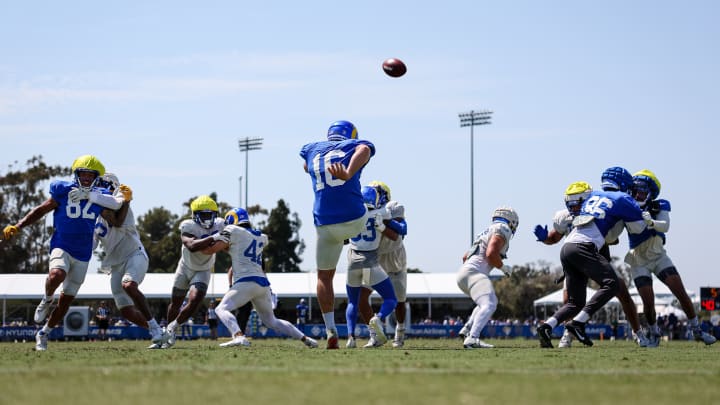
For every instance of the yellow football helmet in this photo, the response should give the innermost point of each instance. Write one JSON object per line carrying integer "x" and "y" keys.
{"x": 204, "y": 210}
{"x": 87, "y": 163}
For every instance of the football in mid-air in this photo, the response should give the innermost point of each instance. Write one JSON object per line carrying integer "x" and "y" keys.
{"x": 394, "y": 67}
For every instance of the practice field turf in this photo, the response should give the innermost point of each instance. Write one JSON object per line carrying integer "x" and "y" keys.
{"x": 426, "y": 371}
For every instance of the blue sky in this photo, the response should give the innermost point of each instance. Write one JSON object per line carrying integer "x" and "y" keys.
{"x": 162, "y": 92}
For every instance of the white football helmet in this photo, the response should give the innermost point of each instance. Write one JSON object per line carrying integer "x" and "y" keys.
{"x": 508, "y": 215}
{"x": 109, "y": 181}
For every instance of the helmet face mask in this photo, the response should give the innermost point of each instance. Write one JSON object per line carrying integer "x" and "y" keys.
{"x": 204, "y": 211}
{"x": 205, "y": 218}
{"x": 109, "y": 181}
{"x": 87, "y": 169}
{"x": 508, "y": 216}
{"x": 575, "y": 195}
{"x": 342, "y": 130}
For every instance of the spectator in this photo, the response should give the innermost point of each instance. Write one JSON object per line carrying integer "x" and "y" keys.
{"x": 102, "y": 320}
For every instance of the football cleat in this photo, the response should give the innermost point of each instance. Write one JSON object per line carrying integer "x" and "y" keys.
{"x": 578, "y": 330}
{"x": 310, "y": 342}
{"x": 704, "y": 337}
{"x": 399, "y": 340}
{"x": 373, "y": 342}
{"x": 351, "y": 344}
{"x": 332, "y": 339}
{"x": 464, "y": 331}
{"x": 237, "y": 341}
{"x": 41, "y": 340}
{"x": 379, "y": 329}
{"x": 565, "y": 340}
{"x": 475, "y": 343}
{"x": 640, "y": 338}
{"x": 544, "y": 333}
{"x": 42, "y": 310}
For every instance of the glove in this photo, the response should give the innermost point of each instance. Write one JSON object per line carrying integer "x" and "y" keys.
{"x": 379, "y": 224}
{"x": 10, "y": 231}
{"x": 76, "y": 195}
{"x": 541, "y": 233}
{"x": 648, "y": 219}
{"x": 126, "y": 192}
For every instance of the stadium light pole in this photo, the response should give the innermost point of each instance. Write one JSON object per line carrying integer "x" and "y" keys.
{"x": 471, "y": 119}
{"x": 246, "y": 145}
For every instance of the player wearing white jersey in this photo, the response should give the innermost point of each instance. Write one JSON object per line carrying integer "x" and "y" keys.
{"x": 575, "y": 194}
{"x": 245, "y": 246}
{"x": 194, "y": 268}
{"x": 127, "y": 260}
{"x": 647, "y": 256}
{"x": 581, "y": 261}
{"x": 339, "y": 213}
{"x": 363, "y": 268}
{"x": 393, "y": 260}
{"x": 487, "y": 252}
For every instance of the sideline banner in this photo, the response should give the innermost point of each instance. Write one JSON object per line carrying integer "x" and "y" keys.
{"x": 27, "y": 333}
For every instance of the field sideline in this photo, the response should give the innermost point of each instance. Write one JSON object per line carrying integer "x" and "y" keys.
{"x": 426, "y": 371}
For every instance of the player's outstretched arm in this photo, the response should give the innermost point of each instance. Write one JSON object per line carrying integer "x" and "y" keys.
{"x": 33, "y": 216}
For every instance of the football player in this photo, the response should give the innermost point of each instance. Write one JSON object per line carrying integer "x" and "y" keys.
{"x": 127, "y": 260}
{"x": 393, "y": 260}
{"x": 487, "y": 252}
{"x": 581, "y": 260}
{"x": 364, "y": 268}
{"x": 647, "y": 256}
{"x": 194, "y": 268}
{"x": 339, "y": 213}
{"x": 613, "y": 179}
{"x": 250, "y": 284}
{"x": 76, "y": 206}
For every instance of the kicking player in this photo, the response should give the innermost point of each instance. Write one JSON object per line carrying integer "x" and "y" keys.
{"x": 647, "y": 256}
{"x": 76, "y": 206}
{"x": 128, "y": 262}
{"x": 339, "y": 212}
{"x": 581, "y": 260}
{"x": 364, "y": 268}
{"x": 194, "y": 268}
{"x": 487, "y": 252}
{"x": 250, "y": 284}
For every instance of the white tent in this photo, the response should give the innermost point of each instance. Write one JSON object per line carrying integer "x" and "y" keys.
{"x": 545, "y": 306}
{"x": 285, "y": 285}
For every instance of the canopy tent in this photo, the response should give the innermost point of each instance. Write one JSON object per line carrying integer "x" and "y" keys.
{"x": 285, "y": 285}
{"x": 545, "y": 306}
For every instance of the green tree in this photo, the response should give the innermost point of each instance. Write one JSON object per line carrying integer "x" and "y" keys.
{"x": 160, "y": 235}
{"x": 282, "y": 254}
{"x": 20, "y": 191}
{"x": 525, "y": 284}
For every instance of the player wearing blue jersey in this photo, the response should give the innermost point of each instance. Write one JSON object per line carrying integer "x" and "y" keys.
{"x": 581, "y": 260}
{"x": 194, "y": 268}
{"x": 613, "y": 179}
{"x": 339, "y": 212}
{"x": 76, "y": 206}
{"x": 245, "y": 246}
{"x": 393, "y": 260}
{"x": 364, "y": 269}
{"x": 486, "y": 253}
{"x": 647, "y": 256}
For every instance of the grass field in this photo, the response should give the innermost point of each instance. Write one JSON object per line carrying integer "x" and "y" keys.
{"x": 426, "y": 371}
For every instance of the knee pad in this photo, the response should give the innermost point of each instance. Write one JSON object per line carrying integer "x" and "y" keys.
{"x": 643, "y": 281}
{"x": 199, "y": 286}
{"x": 665, "y": 273}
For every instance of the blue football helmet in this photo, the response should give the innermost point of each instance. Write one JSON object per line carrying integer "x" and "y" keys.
{"x": 237, "y": 216}
{"x": 383, "y": 190}
{"x": 616, "y": 178}
{"x": 371, "y": 197}
{"x": 342, "y": 130}
{"x": 645, "y": 187}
